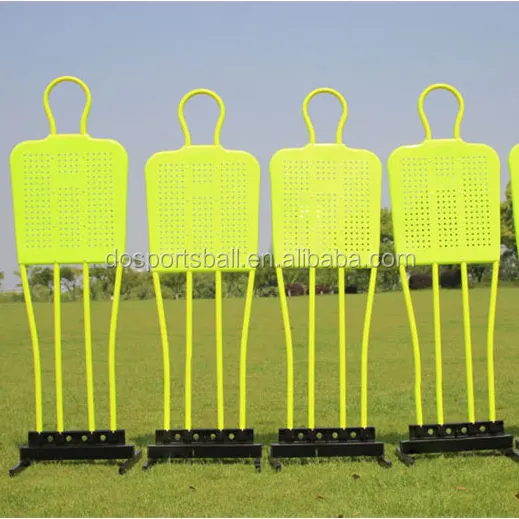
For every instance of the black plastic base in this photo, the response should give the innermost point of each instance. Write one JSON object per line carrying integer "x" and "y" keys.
{"x": 327, "y": 442}
{"x": 77, "y": 445}
{"x": 456, "y": 437}
{"x": 204, "y": 443}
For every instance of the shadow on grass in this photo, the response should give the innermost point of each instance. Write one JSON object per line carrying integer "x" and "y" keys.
{"x": 206, "y": 461}
{"x": 266, "y": 439}
{"x": 392, "y": 438}
{"x": 144, "y": 440}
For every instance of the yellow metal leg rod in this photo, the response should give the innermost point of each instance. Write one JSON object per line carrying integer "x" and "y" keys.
{"x": 490, "y": 343}
{"x": 111, "y": 347}
{"x": 342, "y": 350}
{"x": 243, "y": 349}
{"x": 311, "y": 349}
{"x": 365, "y": 346}
{"x": 289, "y": 348}
{"x": 88, "y": 348}
{"x": 468, "y": 342}
{"x": 189, "y": 348}
{"x": 35, "y": 347}
{"x": 165, "y": 351}
{"x": 416, "y": 346}
{"x": 57, "y": 348}
{"x": 437, "y": 342}
{"x": 219, "y": 350}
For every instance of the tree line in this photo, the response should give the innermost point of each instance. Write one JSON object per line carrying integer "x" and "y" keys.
{"x": 138, "y": 284}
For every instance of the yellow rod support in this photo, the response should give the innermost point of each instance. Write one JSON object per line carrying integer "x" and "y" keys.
{"x": 111, "y": 346}
{"x": 365, "y": 346}
{"x": 219, "y": 349}
{"x": 311, "y": 349}
{"x": 243, "y": 349}
{"x": 57, "y": 348}
{"x": 468, "y": 342}
{"x": 290, "y": 350}
{"x": 35, "y": 347}
{"x": 438, "y": 342}
{"x": 189, "y": 348}
{"x": 416, "y": 346}
{"x": 165, "y": 350}
{"x": 490, "y": 343}
{"x": 342, "y": 350}
{"x": 88, "y": 348}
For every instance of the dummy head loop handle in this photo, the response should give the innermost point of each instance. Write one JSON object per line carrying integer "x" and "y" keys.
{"x": 423, "y": 117}
{"x": 340, "y": 127}
{"x": 182, "y": 119}
{"x": 86, "y": 110}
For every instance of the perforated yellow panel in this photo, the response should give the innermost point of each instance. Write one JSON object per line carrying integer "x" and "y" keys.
{"x": 203, "y": 207}
{"x": 325, "y": 202}
{"x": 445, "y": 199}
{"x": 69, "y": 196}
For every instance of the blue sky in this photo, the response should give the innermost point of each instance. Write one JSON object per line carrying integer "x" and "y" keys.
{"x": 139, "y": 59}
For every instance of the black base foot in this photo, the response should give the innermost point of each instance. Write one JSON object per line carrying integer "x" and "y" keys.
{"x": 384, "y": 462}
{"x": 456, "y": 437}
{"x": 77, "y": 445}
{"x": 19, "y": 467}
{"x": 275, "y": 464}
{"x": 513, "y": 453}
{"x": 204, "y": 443}
{"x": 327, "y": 442}
{"x": 404, "y": 458}
{"x": 129, "y": 463}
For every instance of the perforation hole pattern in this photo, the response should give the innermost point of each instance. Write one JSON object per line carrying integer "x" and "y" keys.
{"x": 37, "y": 192}
{"x": 202, "y": 217}
{"x": 417, "y": 226}
{"x": 357, "y": 198}
{"x": 100, "y": 200}
{"x": 327, "y": 206}
{"x": 171, "y": 180}
{"x": 69, "y": 222}
{"x": 68, "y": 201}
{"x": 446, "y": 202}
{"x": 447, "y": 209}
{"x": 204, "y": 206}
{"x": 296, "y": 203}
{"x": 476, "y": 197}
{"x": 233, "y": 209}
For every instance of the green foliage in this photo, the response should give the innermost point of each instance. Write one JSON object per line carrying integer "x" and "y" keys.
{"x": 507, "y": 220}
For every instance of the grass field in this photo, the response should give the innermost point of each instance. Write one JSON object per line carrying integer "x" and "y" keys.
{"x": 463, "y": 485}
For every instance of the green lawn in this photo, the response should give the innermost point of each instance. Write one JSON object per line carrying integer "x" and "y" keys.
{"x": 463, "y": 485}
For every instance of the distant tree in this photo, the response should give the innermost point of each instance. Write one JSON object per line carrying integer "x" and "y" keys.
{"x": 1, "y": 278}
{"x": 386, "y": 226}
{"x": 42, "y": 277}
{"x": 234, "y": 283}
{"x": 102, "y": 281}
{"x": 388, "y": 272}
{"x": 266, "y": 282}
{"x": 507, "y": 220}
{"x": 173, "y": 285}
{"x": 70, "y": 277}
